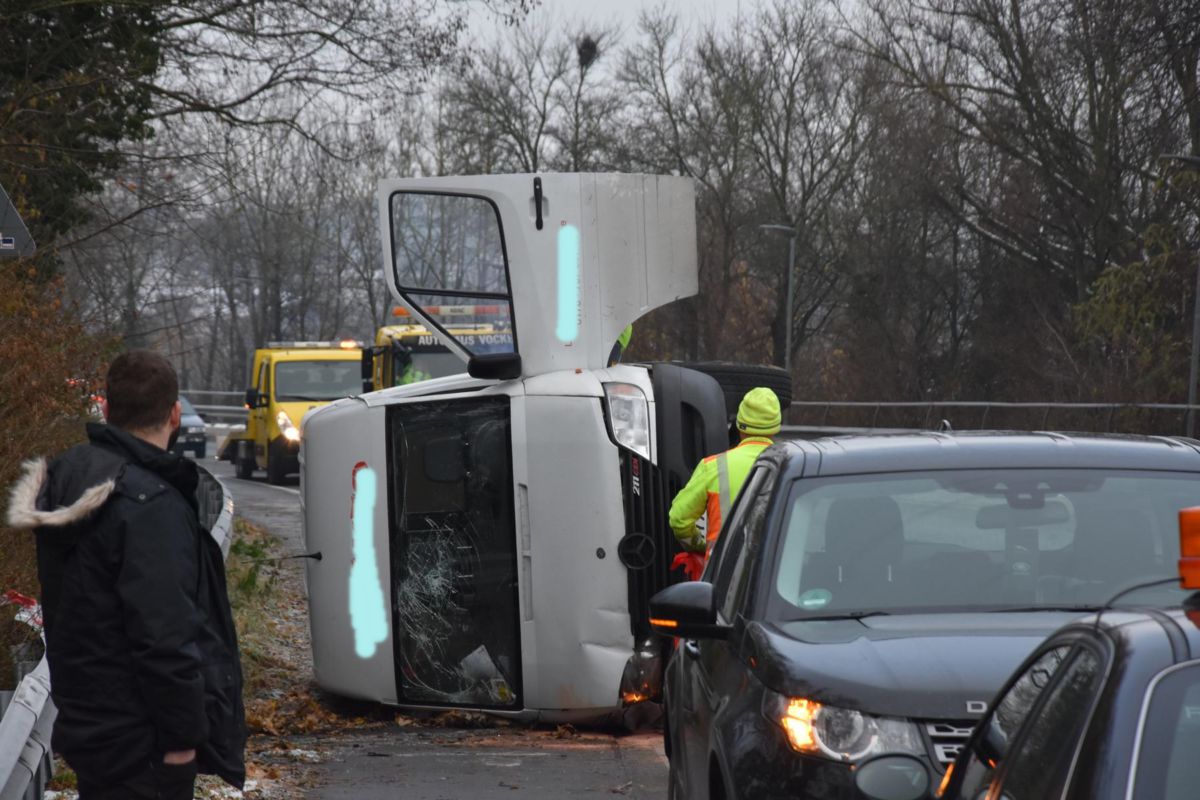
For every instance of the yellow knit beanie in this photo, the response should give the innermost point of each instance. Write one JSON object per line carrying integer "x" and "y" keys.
{"x": 758, "y": 415}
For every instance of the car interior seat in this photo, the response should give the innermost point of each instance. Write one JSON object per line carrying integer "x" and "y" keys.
{"x": 864, "y": 542}
{"x": 1113, "y": 547}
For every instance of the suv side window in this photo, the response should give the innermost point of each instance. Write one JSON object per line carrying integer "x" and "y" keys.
{"x": 744, "y": 537}
{"x": 997, "y": 730}
{"x": 1046, "y": 748}
{"x": 756, "y": 517}
{"x": 725, "y": 554}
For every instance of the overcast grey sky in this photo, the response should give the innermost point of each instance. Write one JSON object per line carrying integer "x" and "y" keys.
{"x": 625, "y": 12}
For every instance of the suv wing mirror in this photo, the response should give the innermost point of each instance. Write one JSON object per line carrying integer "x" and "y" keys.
{"x": 687, "y": 610}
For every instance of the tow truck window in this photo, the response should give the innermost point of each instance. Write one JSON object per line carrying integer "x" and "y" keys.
{"x": 976, "y": 540}
{"x": 316, "y": 380}
{"x": 450, "y": 262}
{"x": 1167, "y": 767}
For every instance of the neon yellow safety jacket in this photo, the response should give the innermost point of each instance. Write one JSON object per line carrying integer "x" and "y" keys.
{"x": 713, "y": 486}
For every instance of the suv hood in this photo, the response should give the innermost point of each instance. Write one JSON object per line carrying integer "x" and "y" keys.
{"x": 921, "y": 666}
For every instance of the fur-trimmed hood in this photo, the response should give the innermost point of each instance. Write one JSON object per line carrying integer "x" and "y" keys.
{"x": 79, "y": 482}
{"x": 31, "y": 505}
{"x": 68, "y": 490}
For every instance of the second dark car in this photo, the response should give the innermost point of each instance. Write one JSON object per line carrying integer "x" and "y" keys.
{"x": 871, "y": 595}
{"x": 193, "y": 436}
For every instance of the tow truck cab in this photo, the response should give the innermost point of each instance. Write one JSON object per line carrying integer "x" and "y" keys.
{"x": 490, "y": 540}
{"x": 288, "y": 380}
{"x": 405, "y": 351}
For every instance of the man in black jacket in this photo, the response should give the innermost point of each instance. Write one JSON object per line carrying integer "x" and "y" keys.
{"x": 143, "y": 655}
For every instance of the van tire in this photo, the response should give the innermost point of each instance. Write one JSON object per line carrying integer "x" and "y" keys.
{"x": 737, "y": 379}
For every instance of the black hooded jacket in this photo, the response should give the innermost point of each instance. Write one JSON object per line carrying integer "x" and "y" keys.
{"x": 142, "y": 648}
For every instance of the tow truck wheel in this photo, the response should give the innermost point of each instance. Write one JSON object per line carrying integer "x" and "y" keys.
{"x": 243, "y": 467}
{"x": 275, "y": 471}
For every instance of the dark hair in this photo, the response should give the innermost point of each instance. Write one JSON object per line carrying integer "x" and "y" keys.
{"x": 141, "y": 388}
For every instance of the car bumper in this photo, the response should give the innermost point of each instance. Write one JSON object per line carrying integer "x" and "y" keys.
{"x": 196, "y": 443}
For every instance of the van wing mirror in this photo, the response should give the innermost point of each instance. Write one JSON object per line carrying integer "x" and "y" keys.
{"x": 495, "y": 366}
{"x": 251, "y": 398}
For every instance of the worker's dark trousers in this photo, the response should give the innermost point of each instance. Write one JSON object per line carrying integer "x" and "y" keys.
{"x": 158, "y": 781}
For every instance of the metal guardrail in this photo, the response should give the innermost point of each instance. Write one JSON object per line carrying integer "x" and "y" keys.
{"x": 25, "y": 728}
{"x": 25, "y": 761}
{"x": 222, "y": 412}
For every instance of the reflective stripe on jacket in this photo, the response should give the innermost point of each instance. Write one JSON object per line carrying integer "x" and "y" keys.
{"x": 712, "y": 488}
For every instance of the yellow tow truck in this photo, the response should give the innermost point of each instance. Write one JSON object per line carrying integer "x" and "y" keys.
{"x": 406, "y": 351}
{"x": 288, "y": 380}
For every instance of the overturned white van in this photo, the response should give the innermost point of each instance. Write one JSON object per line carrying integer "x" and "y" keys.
{"x": 490, "y": 540}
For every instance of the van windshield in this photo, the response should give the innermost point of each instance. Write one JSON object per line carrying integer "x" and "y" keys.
{"x": 317, "y": 380}
{"x": 978, "y": 540}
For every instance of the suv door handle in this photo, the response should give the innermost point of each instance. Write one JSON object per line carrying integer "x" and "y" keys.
{"x": 691, "y": 649}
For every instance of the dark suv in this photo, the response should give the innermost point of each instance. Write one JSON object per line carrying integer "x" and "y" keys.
{"x": 871, "y": 594}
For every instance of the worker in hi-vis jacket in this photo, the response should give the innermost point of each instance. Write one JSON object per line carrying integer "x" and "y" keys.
{"x": 717, "y": 479}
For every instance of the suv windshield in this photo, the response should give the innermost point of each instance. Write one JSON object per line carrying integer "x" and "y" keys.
{"x": 977, "y": 540}
{"x": 317, "y": 380}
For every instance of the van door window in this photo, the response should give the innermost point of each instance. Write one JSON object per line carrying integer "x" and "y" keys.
{"x": 450, "y": 262}
{"x": 453, "y": 554}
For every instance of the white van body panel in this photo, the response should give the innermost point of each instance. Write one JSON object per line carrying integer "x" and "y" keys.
{"x": 637, "y": 252}
{"x": 574, "y": 594}
{"x": 337, "y": 438}
{"x": 575, "y": 629}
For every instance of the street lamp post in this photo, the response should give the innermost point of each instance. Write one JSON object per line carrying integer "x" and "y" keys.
{"x": 791, "y": 280}
{"x": 1194, "y": 365}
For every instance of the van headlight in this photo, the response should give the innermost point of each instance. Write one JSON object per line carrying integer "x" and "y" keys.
{"x": 289, "y": 431}
{"x": 629, "y": 417}
{"x": 841, "y": 734}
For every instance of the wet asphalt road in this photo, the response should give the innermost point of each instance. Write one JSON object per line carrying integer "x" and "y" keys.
{"x": 429, "y": 763}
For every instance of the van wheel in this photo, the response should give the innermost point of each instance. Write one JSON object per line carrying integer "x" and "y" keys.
{"x": 243, "y": 467}
{"x": 737, "y": 379}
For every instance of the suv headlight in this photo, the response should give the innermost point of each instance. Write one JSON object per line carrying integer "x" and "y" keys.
{"x": 840, "y": 734}
{"x": 289, "y": 431}
{"x": 629, "y": 417}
